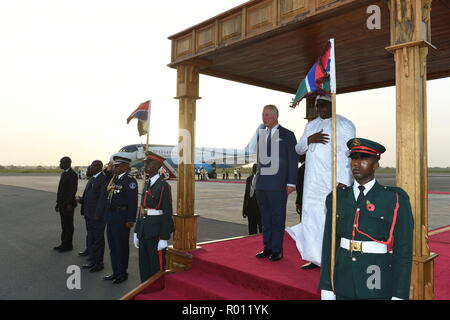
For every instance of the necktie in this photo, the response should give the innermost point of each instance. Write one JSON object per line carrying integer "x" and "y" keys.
{"x": 361, "y": 195}
{"x": 253, "y": 186}
{"x": 269, "y": 142}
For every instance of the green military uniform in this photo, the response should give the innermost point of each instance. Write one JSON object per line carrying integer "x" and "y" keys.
{"x": 356, "y": 271}
{"x": 152, "y": 228}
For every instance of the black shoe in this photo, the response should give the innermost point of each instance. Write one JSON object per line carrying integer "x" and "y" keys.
{"x": 58, "y": 247}
{"x": 275, "y": 256}
{"x": 83, "y": 253}
{"x": 88, "y": 266}
{"x": 110, "y": 277}
{"x": 120, "y": 280}
{"x": 308, "y": 266}
{"x": 65, "y": 249}
{"x": 264, "y": 254}
{"x": 96, "y": 268}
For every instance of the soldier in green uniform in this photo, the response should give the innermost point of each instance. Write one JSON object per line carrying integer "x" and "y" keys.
{"x": 374, "y": 234}
{"x": 154, "y": 224}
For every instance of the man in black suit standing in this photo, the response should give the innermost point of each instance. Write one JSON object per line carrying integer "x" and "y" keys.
{"x": 66, "y": 203}
{"x": 250, "y": 208}
{"x": 276, "y": 179}
{"x": 94, "y": 215}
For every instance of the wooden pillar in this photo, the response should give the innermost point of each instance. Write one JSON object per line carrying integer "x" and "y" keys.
{"x": 185, "y": 234}
{"x": 410, "y": 41}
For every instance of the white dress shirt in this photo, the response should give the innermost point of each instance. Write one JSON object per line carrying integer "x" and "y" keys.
{"x": 366, "y": 186}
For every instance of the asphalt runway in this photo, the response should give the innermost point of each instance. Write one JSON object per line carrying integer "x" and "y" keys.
{"x": 30, "y": 228}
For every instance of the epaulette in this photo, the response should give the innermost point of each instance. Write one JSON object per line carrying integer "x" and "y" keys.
{"x": 398, "y": 190}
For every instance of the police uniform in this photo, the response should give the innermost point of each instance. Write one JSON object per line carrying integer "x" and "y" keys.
{"x": 373, "y": 239}
{"x": 154, "y": 224}
{"x": 121, "y": 207}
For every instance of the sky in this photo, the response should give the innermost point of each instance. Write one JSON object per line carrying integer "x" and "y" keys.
{"x": 71, "y": 72}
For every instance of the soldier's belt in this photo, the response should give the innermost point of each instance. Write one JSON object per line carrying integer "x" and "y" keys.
{"x": 153, "y": 212}
{"x": 363, "y": 246}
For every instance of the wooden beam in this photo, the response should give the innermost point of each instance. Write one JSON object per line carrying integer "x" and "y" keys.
{"x": 412, "y": 152}
{"x": 144, "y": 285}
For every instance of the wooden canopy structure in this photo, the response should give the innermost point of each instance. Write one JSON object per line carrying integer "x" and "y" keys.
{"x": 273, "y": 43}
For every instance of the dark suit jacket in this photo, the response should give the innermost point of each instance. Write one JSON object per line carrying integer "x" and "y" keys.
{"x": 250, "y": 207}
{"x": 287, "y": 163}
{"x": 160, "y": 198}
{"x": 67, "y": 188}
{"x": 91, "y": 197}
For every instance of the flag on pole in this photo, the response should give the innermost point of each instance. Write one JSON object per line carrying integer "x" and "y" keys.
{"x": 321, "y": 78}
{"x": 142, "y": 113}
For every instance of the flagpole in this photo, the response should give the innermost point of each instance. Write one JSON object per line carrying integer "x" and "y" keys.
{"x": 334, "y": 195}
{"x": 148, "y": 125}
{"x": 334, "y": 146}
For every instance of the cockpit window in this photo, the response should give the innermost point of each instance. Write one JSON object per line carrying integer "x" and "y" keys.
{"x": 128, "y": 149}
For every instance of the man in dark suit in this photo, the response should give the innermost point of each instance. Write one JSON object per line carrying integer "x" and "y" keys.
{"x": 66, "y": 203}
{"x": 93, "y": 213}
{"x": 154, "y": 225}
{"x": 277, "y": 175}
{"x": 120, "y": 216}
{"x": 250, "y": 208}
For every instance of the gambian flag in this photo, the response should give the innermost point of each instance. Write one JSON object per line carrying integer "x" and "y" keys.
{"x": 321, "y": 79}
{"x": 142, "y": 113}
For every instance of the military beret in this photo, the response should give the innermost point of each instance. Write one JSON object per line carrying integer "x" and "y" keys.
{"x": 366, "y": 146}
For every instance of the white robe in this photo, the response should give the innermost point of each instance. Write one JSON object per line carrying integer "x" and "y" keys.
{"x": 308, "y": 234}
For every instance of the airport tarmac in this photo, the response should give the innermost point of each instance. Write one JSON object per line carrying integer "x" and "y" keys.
{"x": 30, "y": 269}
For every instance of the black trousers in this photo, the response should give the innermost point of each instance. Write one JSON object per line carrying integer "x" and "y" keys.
{"x": 150, "y": 259}
{"x": 118, "y": 240}
{"x": 95, "y": 240}
{"x": 254, "y": 223}
{"x": 67, "y": 227}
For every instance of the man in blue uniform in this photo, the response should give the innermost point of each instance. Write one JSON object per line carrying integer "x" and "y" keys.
{"x": 154, "y": 225}
{"x": 371, "y": 219}
{"x": 121, "y": 208}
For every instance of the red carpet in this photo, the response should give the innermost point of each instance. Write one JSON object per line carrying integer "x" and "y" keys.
{"x": 228, "y": 270}
{"x": 440, "y": 244}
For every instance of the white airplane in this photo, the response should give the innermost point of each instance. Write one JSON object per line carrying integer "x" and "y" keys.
{"x": 208, "y": 158}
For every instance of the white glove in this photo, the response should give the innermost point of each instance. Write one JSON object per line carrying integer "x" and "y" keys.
{"x": 395, "y": 298}
{"x": 162, "y": 244}
{"x": 136, "y": 241}
{"x": 327, "y": 295}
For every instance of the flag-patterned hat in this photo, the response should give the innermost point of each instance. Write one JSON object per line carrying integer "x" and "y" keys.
{"x": 360, "y": 145}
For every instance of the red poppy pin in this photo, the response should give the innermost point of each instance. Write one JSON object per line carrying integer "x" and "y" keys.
{"x": 370, "y": 206}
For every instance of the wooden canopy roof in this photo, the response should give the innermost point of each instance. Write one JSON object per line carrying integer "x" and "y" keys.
{"x": 273, "y": 43}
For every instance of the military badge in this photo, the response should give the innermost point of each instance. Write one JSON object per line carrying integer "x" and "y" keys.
{"x": 356, "y": 142}
{"x": 132, "y": 186}
{"x": 370, "y": 206}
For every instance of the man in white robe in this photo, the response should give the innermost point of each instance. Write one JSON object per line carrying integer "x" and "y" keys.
{"x": 317, "y": 145}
